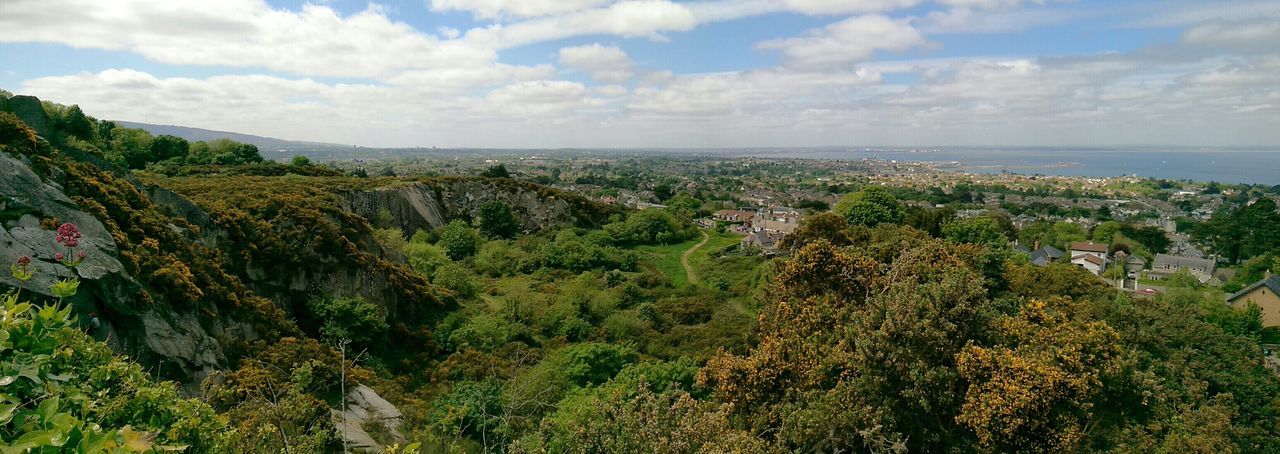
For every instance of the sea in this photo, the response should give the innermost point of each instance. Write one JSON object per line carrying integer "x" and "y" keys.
{"x": 1251, "y": 166}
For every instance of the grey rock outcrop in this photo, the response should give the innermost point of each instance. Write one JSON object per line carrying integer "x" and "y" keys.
{"x": 368, "y": 422}
{"x": 417, "y": 206}
{"x": 31, "y": 111}
{"x": 184, "y": 345}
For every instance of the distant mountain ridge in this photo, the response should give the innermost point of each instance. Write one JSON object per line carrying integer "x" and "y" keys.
{"x": 271, "y": 148}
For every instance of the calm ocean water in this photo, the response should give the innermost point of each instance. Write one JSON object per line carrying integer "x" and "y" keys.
{"x": 1260, "y": 166}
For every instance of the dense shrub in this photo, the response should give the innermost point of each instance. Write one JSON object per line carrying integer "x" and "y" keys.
{"x": 651, "y": 226}
{"x": 64, "y": 391}
{"x": 458, "y": 240}
{"x": 495, "y": 220}
{"x": 348, "y": 318}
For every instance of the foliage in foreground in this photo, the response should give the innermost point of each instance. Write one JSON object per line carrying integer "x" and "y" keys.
{"x": 64, "y": 391}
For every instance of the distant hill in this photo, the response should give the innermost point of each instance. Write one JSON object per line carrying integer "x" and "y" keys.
{"x": 271, "y": 148}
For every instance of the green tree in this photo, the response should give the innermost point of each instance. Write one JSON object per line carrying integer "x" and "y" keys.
{"x": 166, "y": 147}
{"x": 300, "y": 161}
{"x": 352, "y": 319}
{"x": 497, "y": 171}
{"x": 131, "y": 147}
{"x": 651, "y": 226}
{"x": 78, "y": 124}
{"x": 826, "y": 226}
{"x": 869, "y": 207}
{"x": 1106, "y": 231}
{"x": 1241, "y": 233}
{"x": 980, "y": 230}
{"x": 495, "y": 220}
{"x": 457, "y": 279}
{"x": 458, "y": 240}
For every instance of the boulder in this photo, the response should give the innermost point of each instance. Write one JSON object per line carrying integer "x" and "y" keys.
{"x": 368, "y": 422}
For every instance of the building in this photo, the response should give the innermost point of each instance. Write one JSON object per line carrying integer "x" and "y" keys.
{"x": 772, "y": 226}
{"x": 1090, "y": 262}
{"x": 734, "y": 215}
{"x": 1091, "y": 256}
{"x": 1134, "y": 265}
{"x": 1046, "y": 255}
{"x": 764, "y": 241}
{"x": 1098, "y": 250}
{"x": 1166, "y": 264}
{"x": 1266, "y": 294}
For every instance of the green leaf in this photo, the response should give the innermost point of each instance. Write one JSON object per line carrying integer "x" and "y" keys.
{"x": 36, "y": 439}
{"x": 6, "y": 412}
{"x": 48, "y": 408}
{"x": 136, "y": 441}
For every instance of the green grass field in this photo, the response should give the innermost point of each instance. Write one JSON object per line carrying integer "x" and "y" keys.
{"x": 717, "y": 242}
{"x": 667, "y": 259}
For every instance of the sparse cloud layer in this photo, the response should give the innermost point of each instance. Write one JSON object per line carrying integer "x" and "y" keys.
{"x": 713, "y": 73}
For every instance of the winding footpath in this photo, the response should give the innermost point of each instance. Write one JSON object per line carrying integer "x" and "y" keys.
{"x": 684, "y": 259}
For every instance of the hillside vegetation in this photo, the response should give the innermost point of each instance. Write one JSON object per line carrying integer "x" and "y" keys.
{"x": 497, "y": 315}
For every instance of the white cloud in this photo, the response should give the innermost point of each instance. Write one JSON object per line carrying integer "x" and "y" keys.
{"x": 845, "y": 6}
{"x": 637, "y": 18}
{"x": 539, "y": 97}
{"x": 604, "y": 63}
{"x": 971, "y": 20}
{"x": 722, "y": 93}
{"x": 725, "y": 10}
{"x": 1255, "y": 35}
{"x": 453, "y": 80}
{"x": 984, "y": 3}
{"x": 315, "y": 41}
{"x": 498, "y": 9}
{"x": 1217, "y": 84}
{"x": 849, "y": 41}
{"x": 1171, "y": 14}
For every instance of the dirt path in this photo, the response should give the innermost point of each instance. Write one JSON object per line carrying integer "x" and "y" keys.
{"x": 684, "y": 259}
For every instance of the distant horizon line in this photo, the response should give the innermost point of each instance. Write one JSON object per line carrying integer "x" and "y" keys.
{"x": 1115, "y": 147}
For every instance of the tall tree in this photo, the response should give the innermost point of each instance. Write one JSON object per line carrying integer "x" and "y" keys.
{"x": 870, "y": 206}
{"x": 495, "y": 220}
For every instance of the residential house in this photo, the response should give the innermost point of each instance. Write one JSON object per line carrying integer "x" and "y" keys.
{"x": 1098, "y": 250}
{"x": 766, "y": 242}
{"x": 772, "y": 226}
{"x": 734, "y": 215}
{"x": 1046, "y": 255}
{"x": 1090, "y": 262}
{"x": 1166, "y": 264}
{"x": 1266, "y": 294}
{"x": 1091, "y": 256}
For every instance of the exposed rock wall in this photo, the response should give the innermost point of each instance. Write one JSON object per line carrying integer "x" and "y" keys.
{"x": 417, "y": 206}
{"x": 185, "y": 345}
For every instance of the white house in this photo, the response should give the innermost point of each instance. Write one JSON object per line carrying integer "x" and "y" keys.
{"x": 1090, "y": 256}
{"x": 1090, "y": 262}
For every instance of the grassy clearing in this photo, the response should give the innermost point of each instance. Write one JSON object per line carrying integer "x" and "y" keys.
{"x": 701, "y": 258}
{"x": 667, "y": 259}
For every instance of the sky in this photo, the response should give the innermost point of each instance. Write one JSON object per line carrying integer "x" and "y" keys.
{"x": 664, "y": 73}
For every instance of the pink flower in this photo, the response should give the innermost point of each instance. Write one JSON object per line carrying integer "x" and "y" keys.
{"x": 24, "y": 261}
{"x": 59, "y": 256}
{"x": 80, "y": 255}
{"x": 68, "y": 235}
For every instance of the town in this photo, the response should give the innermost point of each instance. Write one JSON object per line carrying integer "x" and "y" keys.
{"x": 1136, "y": 234}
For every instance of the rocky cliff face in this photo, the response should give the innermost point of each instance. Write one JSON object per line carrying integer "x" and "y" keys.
{"x": 180, "y": 285}
{"x": 184, "y": 344}
{"x": 432, "y": 203}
